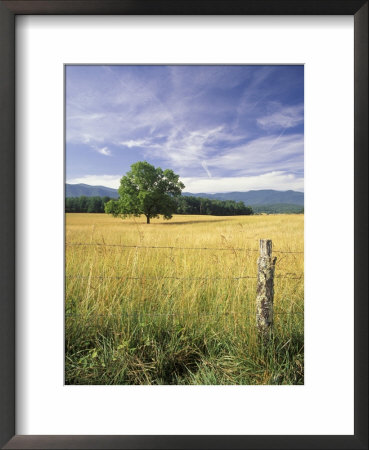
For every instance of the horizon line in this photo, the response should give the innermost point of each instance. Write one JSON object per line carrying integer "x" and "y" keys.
{"x": 184, "y": 192}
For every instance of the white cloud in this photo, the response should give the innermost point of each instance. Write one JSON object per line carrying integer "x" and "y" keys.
{"x": 204, "y": 165}
{"x": 104, "y": 151}
{"x": 112, "y": 181}
{"x": 119, "y": 112}
{"x": 277, "y": 180}
{"x": 271, "y": 153}
{"x": 175, "y": 119}
{"x": 147, "y": 143}
{"x": 184, "y": 148}
{"x": 86, "y": 138}
{"x": 280, "y": 181}
{"x": 133, "y": 143}
{"x": 287, "y": 117}
{"x": 186, "y": 151}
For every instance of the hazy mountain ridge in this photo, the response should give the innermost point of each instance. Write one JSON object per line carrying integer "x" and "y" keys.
{"x": 261, "y": 197}
{"x": 250, "y": 198}
{"x": 77, "y": 190}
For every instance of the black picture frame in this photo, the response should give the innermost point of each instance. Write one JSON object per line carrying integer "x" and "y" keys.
{"x": 8, "y": 12}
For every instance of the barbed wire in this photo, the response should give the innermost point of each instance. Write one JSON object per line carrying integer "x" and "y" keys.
{"x": 123, "y": 277}
{"x": 86, "y": 244}
{"x": 137, "y": 314}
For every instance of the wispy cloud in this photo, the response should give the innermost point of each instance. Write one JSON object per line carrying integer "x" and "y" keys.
{"x": 279, "y": 152}
{"x": 205, "y": 166}
{"x": 134, "y": 143}
{"x": 274, "y": 152}
{"x": 222, "y": 121}
{"x": 104, "y": 151}
{"x": 184, "y": 149}
{"x": 272, "y": 180}
{"x": 111, "y": 181}
{"x": 284, "y": 117}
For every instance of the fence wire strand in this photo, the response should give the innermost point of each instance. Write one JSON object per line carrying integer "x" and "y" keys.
{"x": 123, "y": 277}
{"x": 124, "y": 314}
{"x": 286, "y": 276}
{"x": 87, "y": 244}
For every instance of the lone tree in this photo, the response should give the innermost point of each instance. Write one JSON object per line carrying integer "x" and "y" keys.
{"x": 146, "y": 190}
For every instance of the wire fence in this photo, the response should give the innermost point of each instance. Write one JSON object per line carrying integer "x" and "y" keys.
{"x": 124, "y": 277}
{"x": 284, "y": 276}
{"x": 290, "y": 275}
{"x": 86, "y": 244}
{"x": 179, "y": 314}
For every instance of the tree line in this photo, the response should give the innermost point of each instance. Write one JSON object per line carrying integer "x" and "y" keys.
{"x": 278, "y": 208}
{"x": 199, "y": 205}
{"x": 85, "y": 204}
{"x": 184, "y": 205}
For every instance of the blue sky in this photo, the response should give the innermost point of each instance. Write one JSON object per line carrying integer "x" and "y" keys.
{"x": 221, "y": 128}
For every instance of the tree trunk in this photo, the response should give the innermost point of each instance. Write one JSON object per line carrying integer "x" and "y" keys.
{"x": 147, "y": 219}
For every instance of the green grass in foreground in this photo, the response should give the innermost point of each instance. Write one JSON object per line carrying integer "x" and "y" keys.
{"x": 161, "y": 350}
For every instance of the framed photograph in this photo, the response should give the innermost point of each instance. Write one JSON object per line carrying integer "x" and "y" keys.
{"x": 184, "y": 241}
{"x": 212, "y": 160}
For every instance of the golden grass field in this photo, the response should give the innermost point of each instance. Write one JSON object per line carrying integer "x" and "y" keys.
{"x": 180, "y": 315}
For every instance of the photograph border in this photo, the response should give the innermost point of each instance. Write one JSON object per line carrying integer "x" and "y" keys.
{"x": 8, "y": 12}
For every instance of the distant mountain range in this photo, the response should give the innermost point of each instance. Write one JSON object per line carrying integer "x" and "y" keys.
{"x": 262, "y": 197}
{"x": 265, "y": 197}
{"x": 77, "y": 190}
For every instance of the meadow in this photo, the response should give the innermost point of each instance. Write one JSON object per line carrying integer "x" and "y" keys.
{"x": 173, "y": 302}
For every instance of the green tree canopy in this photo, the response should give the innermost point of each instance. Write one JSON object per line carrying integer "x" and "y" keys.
{"x": 146, "y": 190}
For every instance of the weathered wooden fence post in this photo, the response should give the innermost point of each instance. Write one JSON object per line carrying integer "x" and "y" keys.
{"x": 265, "y": 288}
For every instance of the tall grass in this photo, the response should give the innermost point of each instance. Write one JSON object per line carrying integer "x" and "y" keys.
{"x": 141, "y": 315}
